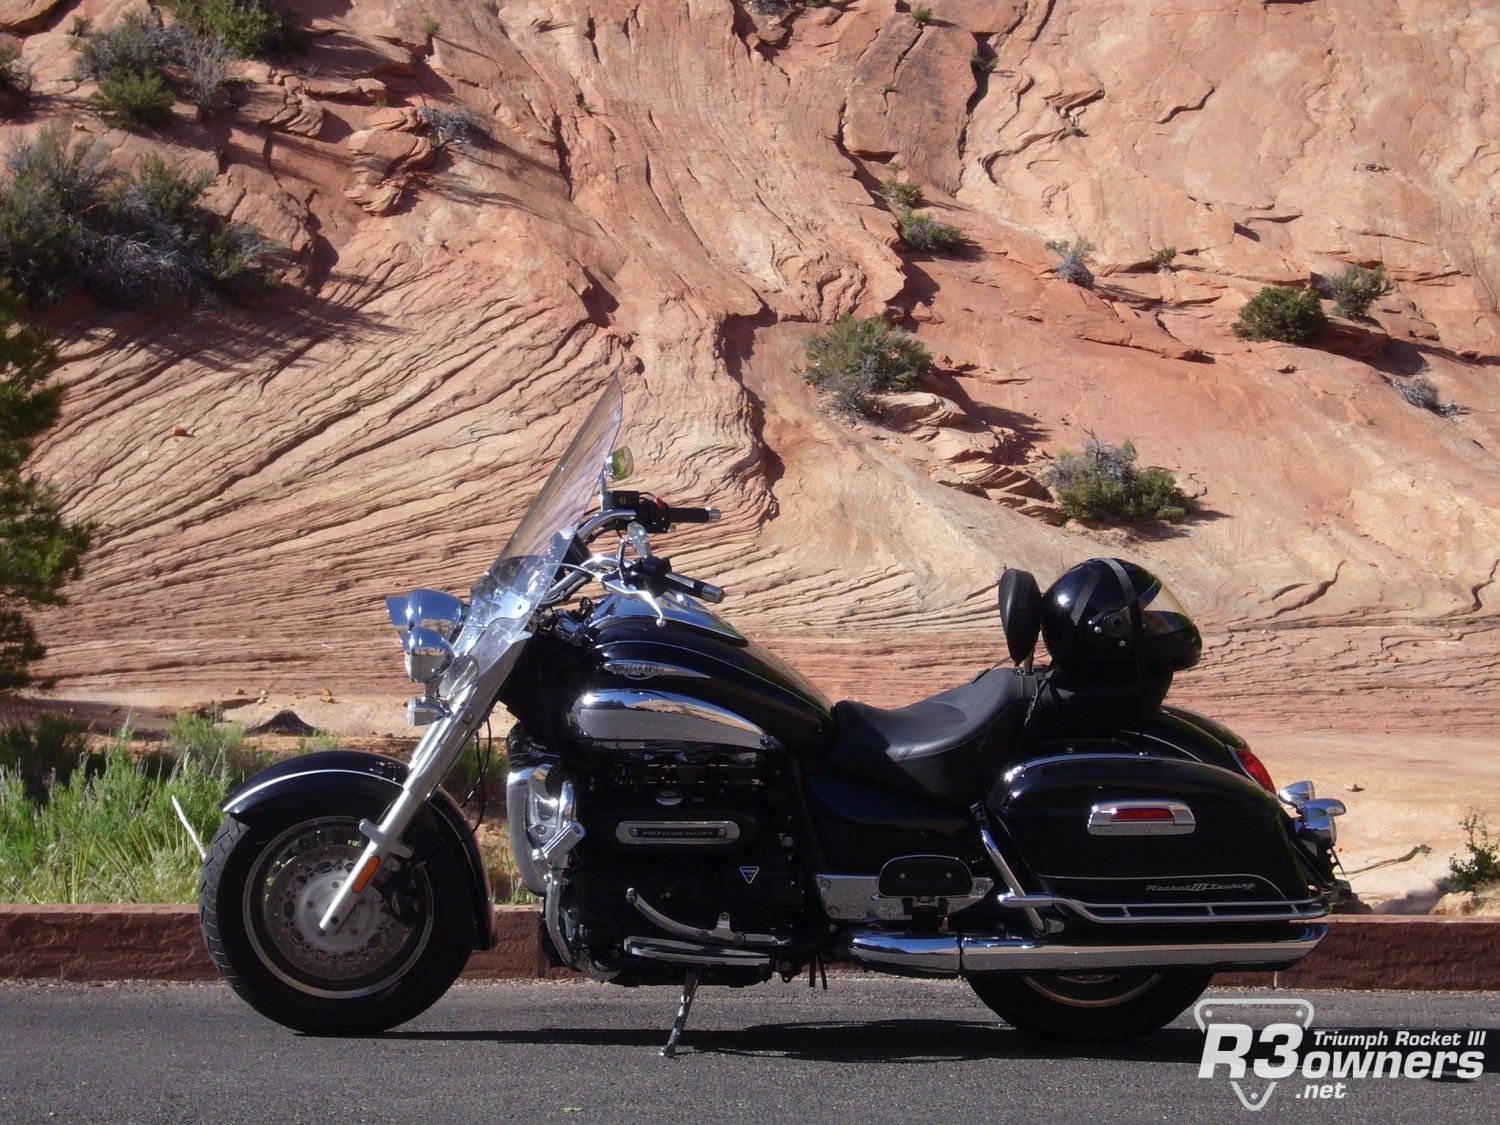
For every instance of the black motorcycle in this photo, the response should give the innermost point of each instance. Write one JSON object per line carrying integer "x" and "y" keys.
{"x": 690, "y": 809}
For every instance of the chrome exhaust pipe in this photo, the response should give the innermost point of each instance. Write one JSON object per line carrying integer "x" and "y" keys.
{"x": 951, "y": 955}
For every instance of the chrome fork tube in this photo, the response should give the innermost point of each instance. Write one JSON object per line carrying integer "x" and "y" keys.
{"x": 435, "y": 754}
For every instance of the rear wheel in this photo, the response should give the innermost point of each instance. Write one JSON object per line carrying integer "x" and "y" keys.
{"x": 1090, "y": 1006}
{"x": 265, "y": 885}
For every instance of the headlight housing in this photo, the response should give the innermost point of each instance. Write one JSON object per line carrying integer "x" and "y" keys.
{"x": 429, "y": 620}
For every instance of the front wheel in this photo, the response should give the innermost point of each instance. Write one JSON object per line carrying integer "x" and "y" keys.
{"x": 1089, "y": 1006}
{"x": 264, "y": 887}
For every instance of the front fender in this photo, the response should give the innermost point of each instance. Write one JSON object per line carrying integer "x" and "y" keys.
{"x": 440, "y": 834}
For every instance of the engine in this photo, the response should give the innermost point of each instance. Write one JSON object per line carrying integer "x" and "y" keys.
{"x": 695, "y": 832}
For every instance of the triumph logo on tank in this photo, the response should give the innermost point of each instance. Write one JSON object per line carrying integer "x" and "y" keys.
{"x": 1321, "y": 1064}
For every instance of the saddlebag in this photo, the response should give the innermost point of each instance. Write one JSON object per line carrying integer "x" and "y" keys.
{"x": 1129, "y": 838}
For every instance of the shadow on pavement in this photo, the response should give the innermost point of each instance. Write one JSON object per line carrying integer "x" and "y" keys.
{"x": 885, "y": 1041}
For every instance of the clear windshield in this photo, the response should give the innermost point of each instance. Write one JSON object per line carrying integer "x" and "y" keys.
{"x": 503, "y": 601}
{"x": 527, "y": 566}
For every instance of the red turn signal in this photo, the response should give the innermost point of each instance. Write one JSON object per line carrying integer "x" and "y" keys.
{"x": 1256, "y": 769}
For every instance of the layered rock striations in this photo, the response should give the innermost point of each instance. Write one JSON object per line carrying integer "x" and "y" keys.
{"x": 679, "y": 193}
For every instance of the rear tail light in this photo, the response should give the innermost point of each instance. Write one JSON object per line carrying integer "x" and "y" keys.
{"x": 1256, "y": 769}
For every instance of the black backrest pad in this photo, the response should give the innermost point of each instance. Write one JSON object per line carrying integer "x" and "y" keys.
{"x": 1020, "y": 612}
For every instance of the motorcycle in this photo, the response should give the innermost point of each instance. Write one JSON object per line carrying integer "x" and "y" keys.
{"x": 690, "y": 809}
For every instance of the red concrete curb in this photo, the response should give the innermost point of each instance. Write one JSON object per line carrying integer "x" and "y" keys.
{"x": 93, "y": 943}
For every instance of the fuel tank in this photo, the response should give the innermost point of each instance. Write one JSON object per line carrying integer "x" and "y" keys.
{"x": 690, "y": 679}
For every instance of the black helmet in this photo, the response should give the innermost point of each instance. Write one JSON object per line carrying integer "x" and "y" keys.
{"x": 1108, "y": 614}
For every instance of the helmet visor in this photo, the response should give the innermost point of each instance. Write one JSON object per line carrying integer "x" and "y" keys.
{"x": 1161, "y": 612}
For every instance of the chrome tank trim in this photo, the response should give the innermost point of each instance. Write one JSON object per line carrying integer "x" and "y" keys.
{"x": 857, "y": 898}
{"x": 954, "y": 955}
{"x": 635, "y": 717}
{"x": 674, "y": 607}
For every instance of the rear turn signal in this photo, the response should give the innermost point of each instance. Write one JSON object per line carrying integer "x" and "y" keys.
{"x": 1256, "y": 769}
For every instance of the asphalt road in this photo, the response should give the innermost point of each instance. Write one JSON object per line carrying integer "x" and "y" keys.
{"x": 869, "y": 1050}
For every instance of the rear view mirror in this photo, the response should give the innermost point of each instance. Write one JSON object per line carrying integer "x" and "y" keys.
{"x": 619, "y": 465}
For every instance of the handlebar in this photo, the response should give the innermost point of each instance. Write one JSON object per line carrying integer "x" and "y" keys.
{"x": 693, "y": 515}
{"x": 693, "y": 587}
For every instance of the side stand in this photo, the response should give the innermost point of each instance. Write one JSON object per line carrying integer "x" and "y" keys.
{"x": 689, "y": 988}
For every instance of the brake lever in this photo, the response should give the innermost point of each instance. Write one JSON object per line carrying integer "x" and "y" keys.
{"x": 615, "y": 586}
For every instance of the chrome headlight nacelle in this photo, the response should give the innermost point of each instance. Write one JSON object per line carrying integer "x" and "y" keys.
{"x": 427, "y": 609}
{"x": 429, "y": 620}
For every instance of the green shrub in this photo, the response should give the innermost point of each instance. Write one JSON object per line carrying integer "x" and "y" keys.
{"x": 1162, "y": 259}
{"x": 113, "y": 835}
{"x": 1073, "y": 259}
{"x": 245, "y": 27}
{"x": 138, "y": 239}
{"x": 43, "y": 753}
{"x": 52, "y": 186}
{"x": 192, "y": 732}
{"x": 983, "y": 63}
{"x": 1278, "y": 312}
{"x": 1356, "y": 288}
{"x": 430, "y": 28}
{"x": 1481, "y": 865}
{"x": 134, "y": 101}
{"x": 922, "y": 16}
{"x": 901, "y": 193}
{"x": 859, "y": 358}
{"x": 135, "y": 46}
{"x": 15, "y": 76}
{"x": 922, "y": 232}
{"x": 1102, "y": 485}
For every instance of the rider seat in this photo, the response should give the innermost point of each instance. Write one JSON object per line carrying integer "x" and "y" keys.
{"x": 949, "y": 748}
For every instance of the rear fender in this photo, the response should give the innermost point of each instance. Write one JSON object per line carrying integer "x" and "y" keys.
{"x": 440, "y": 833}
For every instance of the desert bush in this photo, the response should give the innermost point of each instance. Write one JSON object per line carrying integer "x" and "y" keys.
{"x": 921, "y": 231}
{"x": 134, "y": 101}
{"x": 137, "y": 45}
{"x": 1356, "y": 288}
{"x": 136, "y": 239}
{"x": 43, "y": 753}
{"x": 1162, "y": 259}
{"x": 1420, "y": 392}
{"x": 449, "y": 128}
{"x": 15, "y": 76}
{"x": 1073, "y": 259}
{"x": 1103, "y": 485}
{"x": 1278, "y": 312}
{"x": 1480, "y": 865}
{"x": 983, "y": 63}
{"x": 859, "y": 358}
{"x": 430, "y": 28}
{"x": 900, "y": 192}
{"x": 53, "y": 187}
{"x": 922, "y": 16}
{"x": 244, "y": 27}
{"x": 206, "y": 60}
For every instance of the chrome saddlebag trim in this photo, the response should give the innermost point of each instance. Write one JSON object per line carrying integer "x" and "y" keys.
{"x": 1172, "y": 913}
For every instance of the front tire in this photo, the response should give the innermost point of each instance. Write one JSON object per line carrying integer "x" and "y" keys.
{"x": 1092, "y": 1007}
{"x": 262, "y": 886}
